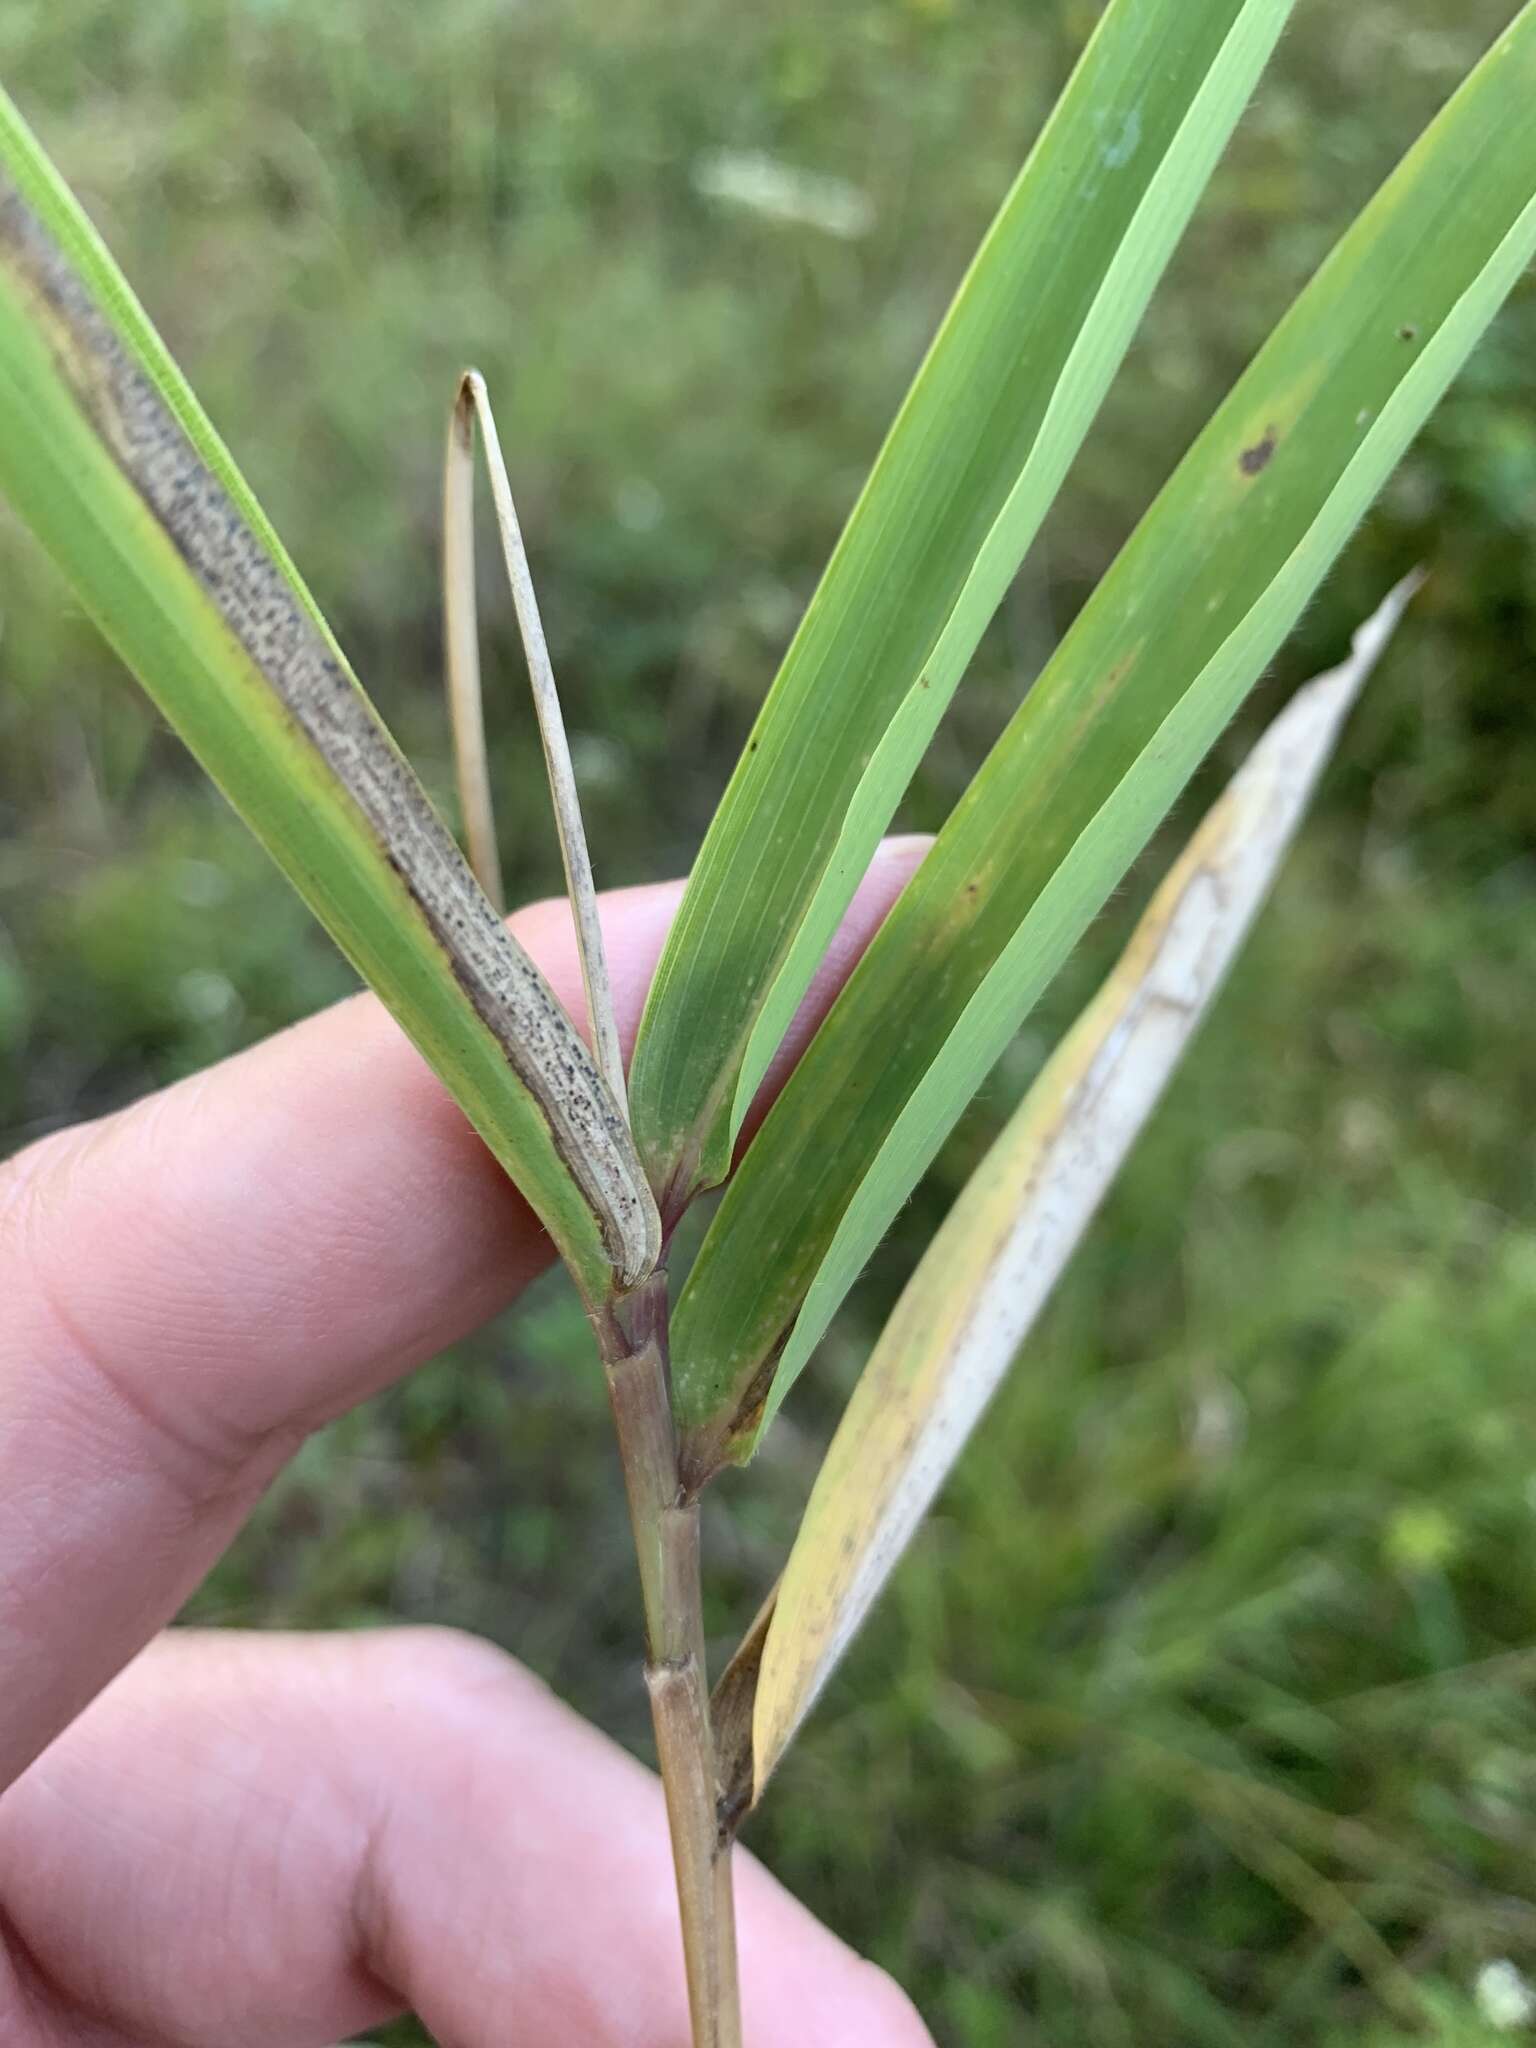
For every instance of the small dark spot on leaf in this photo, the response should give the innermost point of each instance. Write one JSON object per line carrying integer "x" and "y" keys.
{"x": 751, "y": 746}
{"x": 923, "y": 683}
{"x": 1253, "y": 459}
{"x": 1408, "y": 332}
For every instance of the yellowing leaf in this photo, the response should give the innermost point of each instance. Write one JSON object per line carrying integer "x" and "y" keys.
{"x": 974, "y": 1296}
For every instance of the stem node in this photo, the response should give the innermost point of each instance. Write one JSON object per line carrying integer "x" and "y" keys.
{"x": 666, "y": 1526}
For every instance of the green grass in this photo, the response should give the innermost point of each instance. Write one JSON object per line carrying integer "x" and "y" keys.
{"x": 1207, "y": 1703}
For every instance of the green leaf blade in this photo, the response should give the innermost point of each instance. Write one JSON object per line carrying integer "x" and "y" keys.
{"x": 105, "y": 453}
{"x": 1181, "y": 626}
{"x": 965, "y": 478}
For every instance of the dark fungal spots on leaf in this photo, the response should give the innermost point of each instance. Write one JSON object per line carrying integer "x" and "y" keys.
{"x": 1408, "y": 332}
{"x": 318, "y": 699}
{"x": 1253, "y": 459}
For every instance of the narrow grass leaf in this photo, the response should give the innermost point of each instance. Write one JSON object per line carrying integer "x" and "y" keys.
{"x": 1183, "y": 623}
{"x": 106, "y": 454}
{"x": 975, "y": 457}
{"x": 461, "y": 656}
{"x": 976, "y": 1294}
{"x": 473, "y": 403}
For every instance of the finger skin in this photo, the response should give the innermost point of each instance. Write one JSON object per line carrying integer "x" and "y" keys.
{"x": 192, "y": 1285}
{"x": 344, "y": 1826}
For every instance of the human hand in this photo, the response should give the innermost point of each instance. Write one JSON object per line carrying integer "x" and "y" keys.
{"x": 273, "y": 1839}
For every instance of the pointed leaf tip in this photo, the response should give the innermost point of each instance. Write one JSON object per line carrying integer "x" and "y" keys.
{"x": 977, "y": 1291}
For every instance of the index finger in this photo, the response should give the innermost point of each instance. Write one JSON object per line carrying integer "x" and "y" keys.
{"x": 192, "y": 1286}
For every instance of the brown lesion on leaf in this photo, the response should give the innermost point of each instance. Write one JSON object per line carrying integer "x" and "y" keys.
{"x": 1117, "y": 672}
{"x": 731, "y": 1711}
{"x": 1408, "y": 331}
{"x": 1253, "y": 459}
{"x": 730, "y": 1434}
{"x": 318, "y": 696}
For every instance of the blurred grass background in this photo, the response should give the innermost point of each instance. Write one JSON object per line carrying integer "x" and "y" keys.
{"x": 1204, "y": 1711}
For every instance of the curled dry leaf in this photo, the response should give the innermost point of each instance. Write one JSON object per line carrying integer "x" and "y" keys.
{"x": 465, "y": 701}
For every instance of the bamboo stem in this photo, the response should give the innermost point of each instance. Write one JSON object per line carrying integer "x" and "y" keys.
{"x": 666, "y": 1526}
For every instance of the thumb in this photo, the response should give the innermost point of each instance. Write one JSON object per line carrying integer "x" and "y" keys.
{"x": 259, "y": 1838}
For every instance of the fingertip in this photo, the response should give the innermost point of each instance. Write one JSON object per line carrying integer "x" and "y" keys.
{"x": 636, "y": 922}
{"x": 904, "y": 848}
{"x": 883, "y": 2015}
{"x": 802, "y": 1987}
{"x": 888, "y": 873}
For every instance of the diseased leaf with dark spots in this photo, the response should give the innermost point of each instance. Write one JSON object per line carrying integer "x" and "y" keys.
{"x": 104, "y": 451}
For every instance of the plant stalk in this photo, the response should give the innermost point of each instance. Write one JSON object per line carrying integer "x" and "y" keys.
{"x": 666, "y": 1527}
